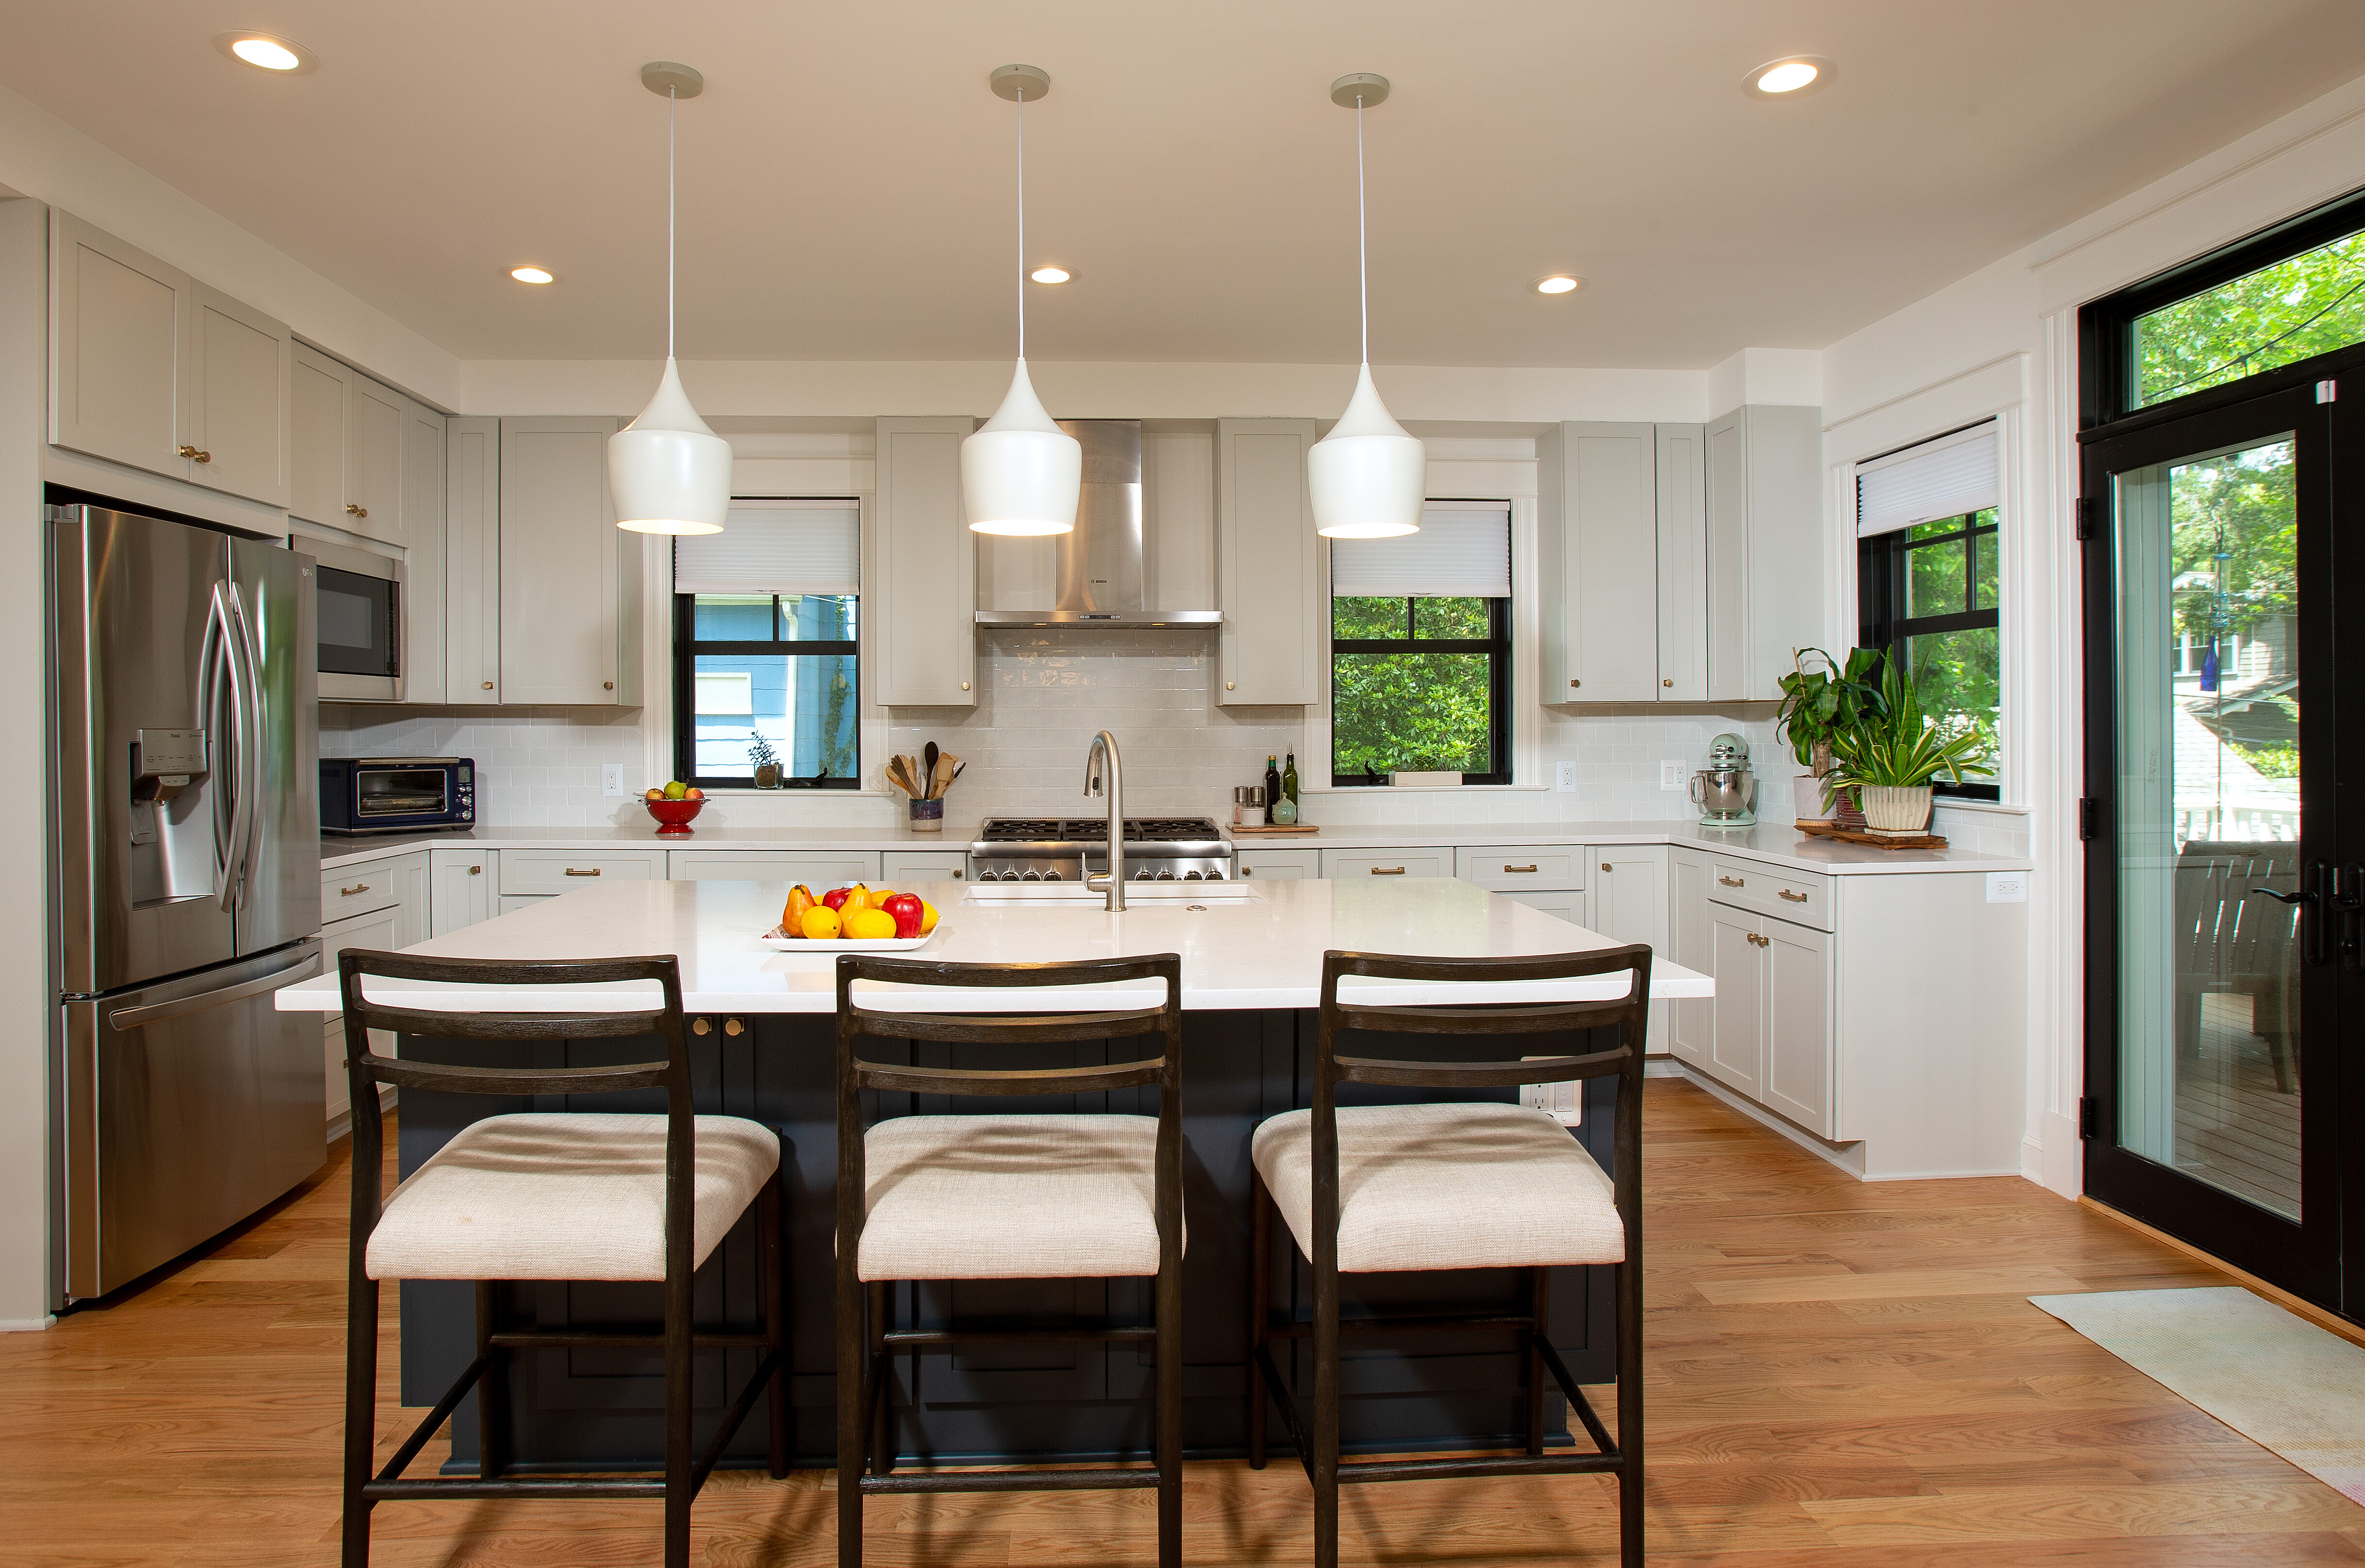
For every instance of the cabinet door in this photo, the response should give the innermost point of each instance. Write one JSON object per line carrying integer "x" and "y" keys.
{"x": 898, "y": 867}
{"x": 1683, "y": 562}
{"x": 461, "y": 893}
{"x": 472, "y": 561}
{"x": 374, "y": 420}
{"x": 1278, "y": 865}
{"x": 413, "y": 884}
{"x": 423, "y": 552}
{"x": 1690, "y": 944}
{"x": 240, "y": 365}
{"x": 1629, "y": 904}
{"x": 378, "y": 931}
{"x": 1608, "y": 520}
{"x": 1727, "y": 494}
{"x": 511, "y": 903}
{"x": 315, "y": 490}
{"x": 1268, "y": 571}
{"x": 561, "y": 563}
{"x": 1797, "y": 1023}
{"x": 118, "y": 338}
{"x": 1787, "y": 550}
{"x": 818, "y": 869}
{"x": 1560, "y": 906}
{"x": 925, "y": 624}
{"x": 1737, "y": 1021}
{"x": 1358, "y": 864}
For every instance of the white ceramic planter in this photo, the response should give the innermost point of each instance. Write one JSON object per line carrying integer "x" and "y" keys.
{"x": 1807, "y": 799}
{"x": 1894, "y": 808}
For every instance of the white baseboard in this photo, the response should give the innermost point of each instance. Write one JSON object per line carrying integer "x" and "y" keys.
{"x": 26, "y": 1325}
{"x": 1848, "y": 1157}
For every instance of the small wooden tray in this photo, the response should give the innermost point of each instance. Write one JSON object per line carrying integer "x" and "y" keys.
{"x": 1825, "y": 829}
{"x": 1292, "y": 828}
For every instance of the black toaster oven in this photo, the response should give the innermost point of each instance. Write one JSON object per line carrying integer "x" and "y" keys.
{"x": 396, "y": 794}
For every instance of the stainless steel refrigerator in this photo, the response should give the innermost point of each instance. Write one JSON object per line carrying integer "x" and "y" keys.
{"x": 184, "y": 792}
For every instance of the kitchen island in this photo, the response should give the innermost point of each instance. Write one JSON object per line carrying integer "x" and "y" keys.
{"x": 1252, "y": 966}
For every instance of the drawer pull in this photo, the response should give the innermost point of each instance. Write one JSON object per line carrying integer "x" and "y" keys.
{"x": 573, "y": 872}
{"x": 353, "y": 510}
{"x": 732, "y": 1027}
{"x": 701, "y": 1026}
{"x": 1755, "y": 940}
{"x": 958, "y": 874}
{"x": 1605, "y": 865}
{"x": 476, "y": 870}
{"x": 1518, "y": 867}
{"x": 1733, "y": 881}
{"x": 1389, "y": 871}
{"x": 356, "y": 888}
{"x": 1787, "y": 894}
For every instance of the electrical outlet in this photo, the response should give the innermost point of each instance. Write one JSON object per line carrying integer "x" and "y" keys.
{"x": 1671, "y": 775}
{"x": 1564, "y": 778}
{"x": 2007, "y": 887}
{"x": 611, "y": 781}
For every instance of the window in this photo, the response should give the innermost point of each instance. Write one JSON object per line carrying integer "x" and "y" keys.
{"x": 766, "y": 647}
{"x": 1420, "y": 649}
{"x": 1929, "y": 583}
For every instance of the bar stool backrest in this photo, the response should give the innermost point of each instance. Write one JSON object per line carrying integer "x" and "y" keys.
{"x": 365, "y": 1070}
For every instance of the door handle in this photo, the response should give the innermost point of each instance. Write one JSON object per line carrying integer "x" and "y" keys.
{"x": 1396, "y": 871}
{"x": 1787, "y": 894}
{"x": 2347, "y": 897}
{"x": 1518, "y": 867}
{"x": 1733, "y": 881}
{"x": 251, "y": 791}
{"x": 573, "y": 872}
{"x": 124, "y": 1019}
{"x": 360, "y": 887}
{"x": 353, "y": 510}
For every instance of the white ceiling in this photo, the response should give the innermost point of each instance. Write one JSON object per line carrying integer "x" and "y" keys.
{"x": 847, "y": 177}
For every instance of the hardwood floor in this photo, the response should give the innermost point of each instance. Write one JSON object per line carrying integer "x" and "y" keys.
{"x": 2234, "y": 1127}
{"x": 1842, "y": 1376}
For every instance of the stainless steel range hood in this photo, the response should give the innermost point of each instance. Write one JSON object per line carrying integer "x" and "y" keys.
{"x": 1098, "y": 565}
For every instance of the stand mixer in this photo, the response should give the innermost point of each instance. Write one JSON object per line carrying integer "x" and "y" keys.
{"x": 1725, "y": 789}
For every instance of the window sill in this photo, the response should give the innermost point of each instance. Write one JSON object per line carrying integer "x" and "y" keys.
{"x": 1428, "y": 790}
{"x": 1956, "y": 803}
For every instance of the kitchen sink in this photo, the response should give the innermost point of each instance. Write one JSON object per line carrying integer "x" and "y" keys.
{"x": 1135, "y": 892}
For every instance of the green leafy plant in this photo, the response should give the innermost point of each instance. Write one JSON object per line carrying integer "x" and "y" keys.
{"x": 1819, "y": 704}
{"x": 1900, "y": 746}
{"x": 761, "y": 755}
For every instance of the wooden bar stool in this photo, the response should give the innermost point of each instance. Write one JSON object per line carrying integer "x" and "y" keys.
{"x": 1003, "y": 1197}
{"x": 1474, "y": 1185}
{"x": 569, "y": 1195}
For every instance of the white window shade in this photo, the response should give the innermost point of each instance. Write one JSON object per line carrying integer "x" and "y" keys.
{"x": 775, "y": 546}
{"x": 1947, "y": 478}
{"x": 1462, "y": 551}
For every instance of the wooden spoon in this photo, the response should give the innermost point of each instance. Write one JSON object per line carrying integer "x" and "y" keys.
{"x": 928, "y": 780}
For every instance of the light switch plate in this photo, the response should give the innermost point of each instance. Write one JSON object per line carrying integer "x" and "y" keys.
{"x": 611, "y": 781}
{"x": 2007, "y": 887}
{"x": 1564, "y": 778}
{"x": 1671, "y": 775}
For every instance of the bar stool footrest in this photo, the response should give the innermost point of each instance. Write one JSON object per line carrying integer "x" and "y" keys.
{"x": 1061, "y": 1480}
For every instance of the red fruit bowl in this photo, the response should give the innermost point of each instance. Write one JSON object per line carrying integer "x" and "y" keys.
{"x": 675, "y": 816}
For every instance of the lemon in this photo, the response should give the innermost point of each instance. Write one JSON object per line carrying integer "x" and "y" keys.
{"x": 871, "y": 925}
{"x": 820, "y": 923}
{"x": 927, "y": 917}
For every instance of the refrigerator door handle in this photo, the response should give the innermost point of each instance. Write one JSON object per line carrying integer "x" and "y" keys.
{"x": 125, "y": 1018}
{"x": 218, "y": 664}
{"x": 249, "y": 795}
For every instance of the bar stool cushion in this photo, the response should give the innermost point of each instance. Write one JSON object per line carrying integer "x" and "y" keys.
{"x": 1010, "y": 1198}
{"x": 564, "y": 1196}
{"x": 1451, "y": 1186}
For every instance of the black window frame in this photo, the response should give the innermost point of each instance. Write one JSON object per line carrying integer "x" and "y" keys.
{"x": 1495, "y": 644}
{"x": 1883, "y": 563}
{"x": 2106, "y": 328}
{"x": 686, "y": 649}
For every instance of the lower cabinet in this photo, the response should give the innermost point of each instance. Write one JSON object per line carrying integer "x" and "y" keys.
{"x": 1771, "y": 1035}
{"x": 1688, "y": 942}
{"x": 1627, "y": 900}
{"x": 818, "y": 869}
{"x": 462, "y": 892}
{"x": 1560, "y": 906}
{"x": 1356, "y": 864}
{"x": 398, "y": 923}
{"x": 1277, "y": 865}
{"x": 897, "y": 867}
{"x": 545, "y": 872}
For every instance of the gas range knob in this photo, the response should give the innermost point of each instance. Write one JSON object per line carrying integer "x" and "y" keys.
{"x": 989, "y": 876}
{"x": 1193, "y": 877}
{"x": 1030, "y": 876}
{"x": 1166, "y": 876}
{"x": 1142, "y": 875}
{"x": 1053, "y": 876}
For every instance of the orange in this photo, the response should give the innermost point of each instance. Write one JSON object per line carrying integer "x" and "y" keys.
{"x": 871, "y": 925}
{"x": 822, "y": 923}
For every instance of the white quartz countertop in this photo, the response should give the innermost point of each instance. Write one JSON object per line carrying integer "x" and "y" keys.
{"x": 1768, "y": 843}
{"x": 1265, "y": 952}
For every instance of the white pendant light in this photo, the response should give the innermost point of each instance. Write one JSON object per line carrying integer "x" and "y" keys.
{"x": 667, "y": 471}
{"x": 1368, "y": 476}
{"x": 1020, "y": 472}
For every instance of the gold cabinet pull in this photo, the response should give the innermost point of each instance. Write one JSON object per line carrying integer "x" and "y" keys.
{"x": 353, "y": 510}
{"x": 194, "y": 455}
{"x": 476, "y": 870}
{"x": 573, "y": 872}
{"x": 1392, "y": 870}
{"x": 356, "y": 888}
{"x": 1787, "y": 894}
{"x": 732, "y": 1027}
{"x": 957, "y": 873}
{"x": 205, "y": 457}
{"x": 1576, "y": 683}
{"x": 607, "y": 686}
{"x": 700, "y": 1026}
{"x": 185, "y": 452}
{"x": 1605, "y": 865}
{"x": 1733, "y": 881}
{"x": 1666, "y": 683}
{"x": 1518, "y": 867}
{"x": 488, "y": 686}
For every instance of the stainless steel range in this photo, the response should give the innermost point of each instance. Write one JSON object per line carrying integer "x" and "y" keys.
{"x": 1062, "y": 849}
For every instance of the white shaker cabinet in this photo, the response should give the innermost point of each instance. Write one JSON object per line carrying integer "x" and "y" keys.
{"x": 1627, "y": 901}
{"x": 151, "y": 368}
{"x": 1619, "y": 507}
{"x": 461, "y": 893}
{"x": 1270, "y": 572}
{"x": 323, "y": 389}
{"x": 1681, "y": 451}
{"x": 1276, "y": 865}
{"x": 424, "y": 550}
{"x": 472, "y": 538}
{"x": 1765, "y": 503}
{"x": 923, "y": 605}
{"x": 1689, "y": 940}
{"x": 570, "y": 579}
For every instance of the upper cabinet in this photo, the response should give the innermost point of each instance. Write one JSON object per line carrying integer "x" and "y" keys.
{"x": 1620, "y": 506}
{"x": 1765, "y": 494}
{"x": 151, "y": 368}
{"x": 472, "y": 624}
{"x": 923, "y": 609}
{"x": 349, "y": 433}
{"x": 570, "y": 579}
{"x": 1269, "y": 567}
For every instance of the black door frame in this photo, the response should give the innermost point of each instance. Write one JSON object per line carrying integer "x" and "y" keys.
{"x": 2304, "y": 1257}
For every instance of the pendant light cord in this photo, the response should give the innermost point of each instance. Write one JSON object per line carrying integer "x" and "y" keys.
{"x": 671, "y": 97}
{"x": 1022, "y": 221}
{"x": 1363, "y": 244}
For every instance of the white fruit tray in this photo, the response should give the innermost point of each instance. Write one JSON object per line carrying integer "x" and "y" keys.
{"x": 777, "y": 938}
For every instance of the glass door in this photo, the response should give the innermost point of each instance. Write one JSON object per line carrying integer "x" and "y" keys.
{"x": 2219, "y": 916}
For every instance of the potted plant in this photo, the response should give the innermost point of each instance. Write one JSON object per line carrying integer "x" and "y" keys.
{"x": 767, "y": 761}
{"x": 1819, "y": 702}
{"x": 1890, "y": 756}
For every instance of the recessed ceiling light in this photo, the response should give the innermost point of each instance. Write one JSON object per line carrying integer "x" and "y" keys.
{"x": 1788, "y": 77}
{"x": 1559, "y": 283}
{"x": 1050, "y": 275}
{"x": 533, "y": 274}
{"x": 282, "y": 57}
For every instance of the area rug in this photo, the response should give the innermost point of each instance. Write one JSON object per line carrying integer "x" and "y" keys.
{"x": 2271, "y": 1375}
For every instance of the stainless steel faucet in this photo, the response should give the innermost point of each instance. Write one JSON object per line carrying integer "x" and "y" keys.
{"x": 1104, "y": 746}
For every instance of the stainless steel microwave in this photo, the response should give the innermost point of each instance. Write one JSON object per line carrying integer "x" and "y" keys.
{"x": 361, "y": 613}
